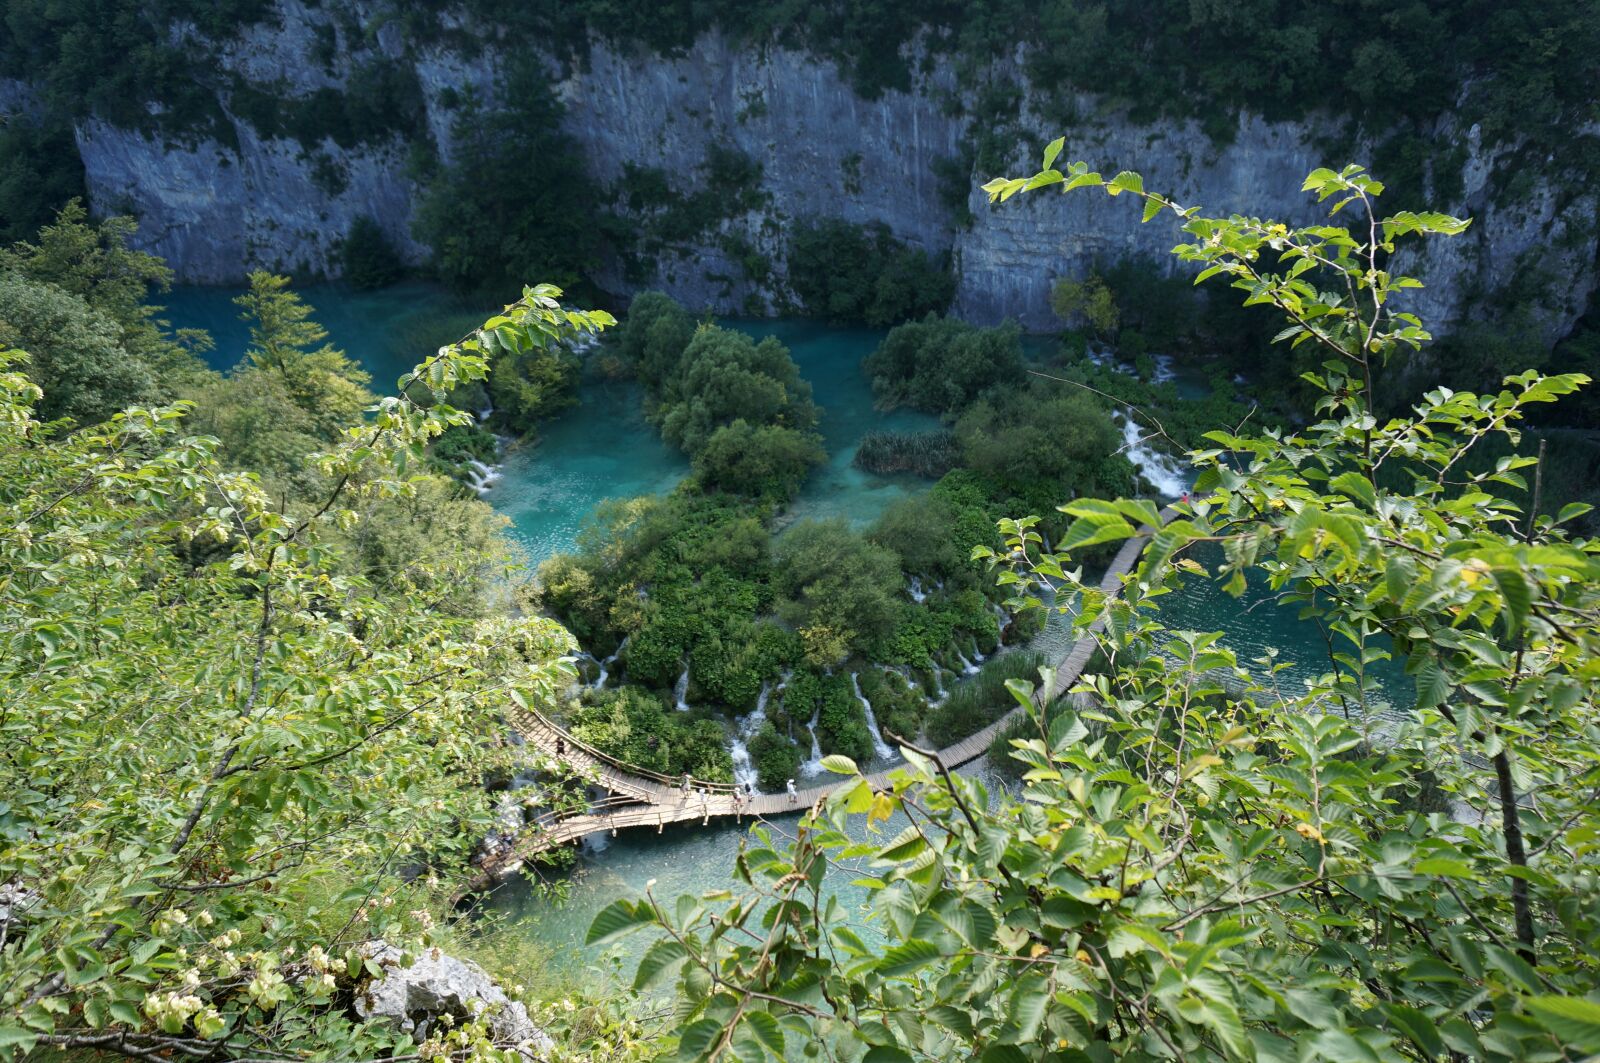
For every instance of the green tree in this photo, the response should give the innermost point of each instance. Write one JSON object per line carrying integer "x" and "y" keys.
{"x": 39, "y": 173}
{"x": 490, "y": 217}
{"x": 1089, "y": 299}
{"x": 861, "y": 274}
{"x": 1204, "y": 863}
{"x": 725, "y": 376}
{"x": 219, "y": 749}
{"x": 653, "y": 337}
{"x": 327, "y": 386}
{"x": 840, "y": 590}
{"x": 92, "y": 263}
{"x": 765, "y": 461}
{"x": 1044, "y": 436}
{"x": 942, "y": 364}
{"x": 367, "y": 257}
{"x": 79, "y": 362}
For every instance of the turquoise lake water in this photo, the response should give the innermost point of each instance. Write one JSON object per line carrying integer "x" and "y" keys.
{"x": 604, "y": 448}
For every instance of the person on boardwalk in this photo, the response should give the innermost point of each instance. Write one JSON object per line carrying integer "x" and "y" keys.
{"x": 561, "y": 746}
{"x": 793, "y": 796}
{"x": 684, "y": 784}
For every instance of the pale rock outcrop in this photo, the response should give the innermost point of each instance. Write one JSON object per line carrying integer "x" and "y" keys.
{"x": 412, "y": 998}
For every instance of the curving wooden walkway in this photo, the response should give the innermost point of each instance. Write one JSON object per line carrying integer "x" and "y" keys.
{"x": 642, "y": 798}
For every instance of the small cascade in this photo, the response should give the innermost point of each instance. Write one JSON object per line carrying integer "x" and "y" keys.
{"x": 481, "y": 477}
{"x": 744, "y": 772}
{"x": 939, "y": 692}
{"x": 605, "y": 665}
{"x": 681, "y": 690}
{"x": 881, "y": 749}
{"x": 1164, "y": 370}
{"x": 1162, "y": 470}
{"x": 581, "y": 655}
{"x": 914, "y": 588}
{"x": 813, "y": 767}
{"x": 967, "y": 667}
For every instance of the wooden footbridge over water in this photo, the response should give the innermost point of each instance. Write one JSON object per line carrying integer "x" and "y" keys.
{"x": 642, "y": 798}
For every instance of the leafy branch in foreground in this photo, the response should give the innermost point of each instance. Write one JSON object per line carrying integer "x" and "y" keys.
{"x": 1207, "y": 862}
{"x": 218, "y": 750}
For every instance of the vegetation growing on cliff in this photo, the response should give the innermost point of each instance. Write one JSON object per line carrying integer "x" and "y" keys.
{"x": 861, "y": 274}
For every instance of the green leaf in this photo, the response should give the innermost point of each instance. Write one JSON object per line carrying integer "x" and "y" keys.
{"x": 1052, "y": 151}
{"x": 659, "y": 959}
{"x": 1445, "y": 867}
{"x": 886, "y": 1054}
{"x": 1356, "y": 486}
{"x": 767, "y": 1030}
{"x": 1415, "y": 1025}
{"x": 1574, "y": 1020}
{"x": 618, "y": 917}
{"x": 839, "y": 765}
{"x": 1126, "y": 181}
{"x": 907, "y": 957}
{"x": 698, "y": 1037}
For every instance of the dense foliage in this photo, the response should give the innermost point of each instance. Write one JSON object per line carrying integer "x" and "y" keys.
{"x": 367, "y": 257}
{"x": 861, "y": 274}
{"x": 637, "y": 728}
{"x": 39, "y": 171}
{"x": 1204, "y": 862}
{"x": 942, "y": 364}
{"x": 738, "y": 408}
{"x": 224, "y": 741}
{"x": 491, "y": 217}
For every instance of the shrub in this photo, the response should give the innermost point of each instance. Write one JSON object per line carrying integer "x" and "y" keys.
{"x": 776, "y": 759}
{"x": 930, "y": 454}
{"x": 766, "y": 461}
{"x": 725, "y": 376}
{"x": 942, "y": 364}
{"x": 367, "y": 258}
{"x": 830, "y": 576}
{"x": 854, "y": 274}
{"x": 977, "y": 702}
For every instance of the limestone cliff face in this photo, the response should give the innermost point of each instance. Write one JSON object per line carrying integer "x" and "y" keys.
{"x": 215, "y": 211}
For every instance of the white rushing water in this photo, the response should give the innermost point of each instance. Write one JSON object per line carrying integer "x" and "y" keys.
{"x": 681, "y": 689}
{"x": 1163, "y": 471}
{"x": 813, "y": 766}
{"x": 744, "y": 771}
{"x": 967, "y": 667}
{"x": 481, "y": 477}
{"x": 605, "y": 665}
{"x": 880, "y": 749}
{"x": 914, "y": 588}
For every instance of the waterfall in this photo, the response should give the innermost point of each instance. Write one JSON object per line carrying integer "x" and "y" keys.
{"x": 606, "y": 664}
{"x": 967, "y": 667}
{"x": 813, "y": 767}
{"x": 744, "y": 772}
{"x": 1164, "y": 370}
{"x": 914, "y": 588}
{"x": 681, "y": 690}
{"x": 880, "y": 748}
{"x": 481, "y": 477}
{"x": 1162, "y": 470}
{"x": 939, "y": 692}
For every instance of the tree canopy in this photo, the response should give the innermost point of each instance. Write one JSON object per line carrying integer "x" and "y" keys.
{"x": 1206, "y": 862}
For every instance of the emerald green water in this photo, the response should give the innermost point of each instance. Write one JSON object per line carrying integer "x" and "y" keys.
{"x": 603, "y": 448}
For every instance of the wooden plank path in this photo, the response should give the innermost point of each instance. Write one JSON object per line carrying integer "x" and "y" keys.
{"x": 648, "y": 799}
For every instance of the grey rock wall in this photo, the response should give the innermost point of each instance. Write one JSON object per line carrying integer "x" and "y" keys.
{"x": 216, "y": 211}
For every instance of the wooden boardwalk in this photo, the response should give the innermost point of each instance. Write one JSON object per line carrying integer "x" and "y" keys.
{"x": 642, "y": 798}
